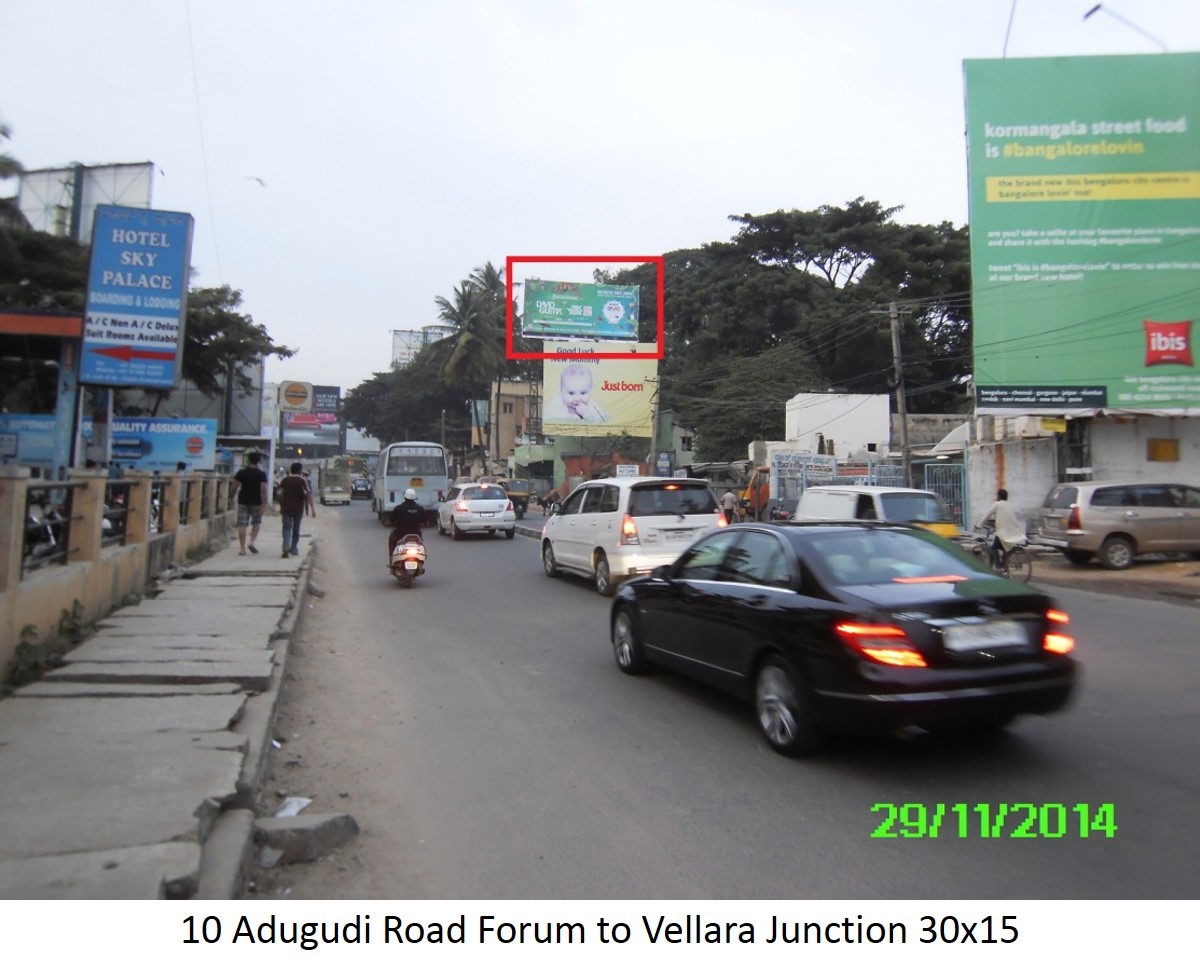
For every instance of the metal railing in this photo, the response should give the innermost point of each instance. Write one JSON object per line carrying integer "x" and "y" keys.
{"x": 114, "y": 527}
{"x": 49, "y": 514}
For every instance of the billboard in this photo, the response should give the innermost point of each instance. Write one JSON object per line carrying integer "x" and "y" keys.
{"x": 136, "y": 307}
{"x": 319, "y": 427}
{"x": 591, "y": 396}
{"x": 570, "y": 309}
{"x": 1085, "y": 232}
{"x": 161, "y": 444}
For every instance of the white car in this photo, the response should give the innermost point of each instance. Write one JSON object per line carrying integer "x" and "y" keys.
{"x": 612, "y": 529}
{"x": 476, "y": 508}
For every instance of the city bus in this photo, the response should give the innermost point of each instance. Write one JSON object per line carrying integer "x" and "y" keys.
{"x": 419, "y": 465}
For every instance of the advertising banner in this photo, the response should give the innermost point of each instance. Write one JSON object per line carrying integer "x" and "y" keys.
{"x": 570, "y": 309}
{"x": 28, "y": 440}
{"x": 321, "y": 426}
{"x": 161, "y": 444}
{"x": 1085, "y": 232}
{"x": 594, "y": 396}
{"x": 136, "y": 308}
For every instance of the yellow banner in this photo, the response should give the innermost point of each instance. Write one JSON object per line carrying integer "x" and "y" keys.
{"x": 590, "y": 396}
{"x": 1093, "y": 187}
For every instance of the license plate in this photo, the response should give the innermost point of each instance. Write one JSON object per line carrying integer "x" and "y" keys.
{"x": 977, "y": 636}
{"x": 487, "y": 513}
{"x": 678, "y": 535}
{"x": 411, "y": 565}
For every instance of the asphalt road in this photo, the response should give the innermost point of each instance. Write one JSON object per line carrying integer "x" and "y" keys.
{"x": 527, "y": 766}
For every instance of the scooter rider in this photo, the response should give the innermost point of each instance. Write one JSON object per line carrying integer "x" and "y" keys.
{"x": 407, "y": 518}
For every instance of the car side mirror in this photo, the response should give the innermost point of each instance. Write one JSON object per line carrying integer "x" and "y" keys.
{"x": 662, "y": 573}
{"x": 555, "y": 508}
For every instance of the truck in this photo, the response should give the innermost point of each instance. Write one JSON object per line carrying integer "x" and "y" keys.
{"x": 334, "y": 479}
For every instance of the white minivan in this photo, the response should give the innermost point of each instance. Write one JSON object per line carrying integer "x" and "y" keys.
{"x": 899, "y": 505}
{"x": 611, "y": 529}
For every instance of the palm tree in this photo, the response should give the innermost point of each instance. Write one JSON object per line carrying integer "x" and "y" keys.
{"x": 475, "y": 351}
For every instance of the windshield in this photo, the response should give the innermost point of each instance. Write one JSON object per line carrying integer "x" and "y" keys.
{"x": 904, "y": 508}
{"x": 416, "y": 462}
{"x": 670, "y": 498}
{"x": 882, "y": 555}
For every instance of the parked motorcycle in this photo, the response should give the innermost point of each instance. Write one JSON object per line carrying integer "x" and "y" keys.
{"x": 408, "y": 559}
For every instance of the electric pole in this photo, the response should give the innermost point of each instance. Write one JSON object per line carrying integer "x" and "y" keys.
{"x": 901, "y": 401}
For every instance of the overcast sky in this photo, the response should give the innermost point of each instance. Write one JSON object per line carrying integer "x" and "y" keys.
{"x": 347, "y": 162}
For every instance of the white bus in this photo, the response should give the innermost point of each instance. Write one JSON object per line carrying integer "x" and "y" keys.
{"x": 419, "y": 465}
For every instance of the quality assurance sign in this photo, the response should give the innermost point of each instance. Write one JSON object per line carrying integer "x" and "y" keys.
{"x": 134, "y": 319}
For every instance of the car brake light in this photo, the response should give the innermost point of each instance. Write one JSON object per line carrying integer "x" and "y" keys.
{"x": 629, "y": 534}
{"x": 721, "y": 522}
{"x": 882, "y": 643}
{"x": 1073, "y": 522}
{"x": 460, "y": 504}
{"x": 1054, "y": 641}
{"x": 508, "y": 506}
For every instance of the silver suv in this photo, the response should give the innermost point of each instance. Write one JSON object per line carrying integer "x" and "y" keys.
{"x": 611, "y": 529}
{"x": 1117, "y": 521}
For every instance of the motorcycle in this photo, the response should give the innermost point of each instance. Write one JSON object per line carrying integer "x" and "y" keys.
{"x": 408, "y": 559}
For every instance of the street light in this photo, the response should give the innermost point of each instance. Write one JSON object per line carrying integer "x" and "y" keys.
{"x": 1127, "y": 23}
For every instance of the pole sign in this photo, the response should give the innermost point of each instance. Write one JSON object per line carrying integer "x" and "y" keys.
{"x": 136, "y": 309}
{"x": 295, "y": 396}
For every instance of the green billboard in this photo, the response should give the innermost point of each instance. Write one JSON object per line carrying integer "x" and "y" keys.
{"x": 571, "y": 309}
{"x": 1085, "y": 232}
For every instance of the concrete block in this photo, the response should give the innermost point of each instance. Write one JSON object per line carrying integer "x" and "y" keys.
{"x": 305, "y": 837}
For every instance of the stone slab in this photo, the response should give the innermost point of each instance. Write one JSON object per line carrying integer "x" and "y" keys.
{"x": 172, "y": 641}
{"x": 139, "y": 651}
{"x": 251, "y": 595}
{"x": 84, "y": 792}
{"x": 42, "y": 689}
{"x": 113, "y": 716}
{"x": 252, "y": 674}
{"x": 153, "y": 871}
{"x": 203, "y": 611}
{"x": 305, "y": 837}
{"x": 256, "y": 623}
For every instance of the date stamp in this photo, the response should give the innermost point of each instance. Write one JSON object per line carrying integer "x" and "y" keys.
{"x": 990, "y": 821}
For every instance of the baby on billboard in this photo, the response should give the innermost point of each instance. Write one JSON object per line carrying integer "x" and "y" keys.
{"x": 573, "y": 401}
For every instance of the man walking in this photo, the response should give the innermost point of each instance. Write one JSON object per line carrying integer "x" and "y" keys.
{"x": 250, "y": 485}
{"x": 295, "y": 500}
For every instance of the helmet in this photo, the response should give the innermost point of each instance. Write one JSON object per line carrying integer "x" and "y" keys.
{"x": 410, "y": 494}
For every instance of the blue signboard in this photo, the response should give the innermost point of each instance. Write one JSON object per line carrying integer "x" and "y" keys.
{"x": 136, "y": 308}
{"x": 27, "y": 440}
{"x": 161, "y": 444}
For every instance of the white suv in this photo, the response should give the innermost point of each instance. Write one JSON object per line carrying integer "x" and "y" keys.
{"x": 611, "y": 529}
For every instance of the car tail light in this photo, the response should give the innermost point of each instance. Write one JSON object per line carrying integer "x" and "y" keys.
{"x": 721, "y": 522}
{"x": 508, "y": 506}
{"x": 882, "y": 643}
{"x": 629, "y": 533}
{"x": 1055, "y": 640}
{"x": 1073, "y": 521}
{"x": 460, "y": 504}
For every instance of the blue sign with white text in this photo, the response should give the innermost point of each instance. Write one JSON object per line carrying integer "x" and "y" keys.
{"x": 136, "y": 308}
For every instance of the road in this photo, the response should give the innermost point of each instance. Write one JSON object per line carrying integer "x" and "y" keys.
{"x": 478, "y": 730}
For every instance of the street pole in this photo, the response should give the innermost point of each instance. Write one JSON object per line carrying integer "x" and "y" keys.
{"x": 901, "y": 401}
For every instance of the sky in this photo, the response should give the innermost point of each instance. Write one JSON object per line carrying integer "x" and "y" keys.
{"x": 347, "y": 163}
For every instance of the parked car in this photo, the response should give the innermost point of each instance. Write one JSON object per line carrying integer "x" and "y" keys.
{"x": 610, "y": 529}
{"x": 476, "y": 508}
{"x": 1117, "y": 521}
{"x": 828, "y": 626}
{"x": 902, "y": 505}
{"x": 360, "y": 488}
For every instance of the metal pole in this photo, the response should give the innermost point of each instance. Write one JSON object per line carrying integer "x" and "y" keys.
{"x": 901, "y": 401}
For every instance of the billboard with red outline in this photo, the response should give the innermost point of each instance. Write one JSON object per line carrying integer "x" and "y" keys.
{"x": 515, "y": 355}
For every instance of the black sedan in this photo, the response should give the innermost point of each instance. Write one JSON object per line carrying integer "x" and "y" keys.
{"x": 360, "y": 488}
{"x": 826, "y": 626}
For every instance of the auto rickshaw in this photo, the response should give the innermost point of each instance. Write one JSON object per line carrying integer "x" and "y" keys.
{"x": 519, "y": 492}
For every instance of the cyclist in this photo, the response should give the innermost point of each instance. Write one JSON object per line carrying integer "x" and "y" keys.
{"x": 1009, "y": 528}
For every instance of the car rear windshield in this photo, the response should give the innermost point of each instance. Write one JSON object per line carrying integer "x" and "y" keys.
{"x": 484, "y": 493}
{"x": 1061, "y": 498}
{"x": 670, "y": 498}
{"x": 879, "y": 556}
{"x": 518, "y": 486}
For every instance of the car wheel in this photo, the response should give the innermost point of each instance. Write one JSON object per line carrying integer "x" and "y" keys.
{"x": 1076, "y": 557}
{"x": 783, "y": 704}
{"x": 626, "y": 646}
{"x": 548, "y": 563}
{"x": 1117, "y": 554}
{"x": 441, "y": 529}
{"x": 604, "y": 582}
{"x": 510, "y": 534}
{"x": 455, "y": 533}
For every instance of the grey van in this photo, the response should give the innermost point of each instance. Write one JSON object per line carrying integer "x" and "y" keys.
{"x": 1116, "y": 521}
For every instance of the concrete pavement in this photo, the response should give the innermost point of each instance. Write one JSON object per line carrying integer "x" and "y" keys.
{"x": 132, "y": 770}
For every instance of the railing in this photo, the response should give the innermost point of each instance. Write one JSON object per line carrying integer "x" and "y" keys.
{"x": 113, "y": 529}
{"x": 49, "y": 514}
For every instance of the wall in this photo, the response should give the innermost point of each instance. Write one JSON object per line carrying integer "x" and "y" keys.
{"x": 1027, "y": 468}
{"x": 852, "y": 421}
{"x": 1119, "y": 448}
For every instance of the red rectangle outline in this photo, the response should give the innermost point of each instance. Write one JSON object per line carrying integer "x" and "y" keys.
{"x": 513, "y": 355}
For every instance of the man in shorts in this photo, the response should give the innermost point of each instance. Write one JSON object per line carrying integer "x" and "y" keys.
{"x": 251, "y": 488}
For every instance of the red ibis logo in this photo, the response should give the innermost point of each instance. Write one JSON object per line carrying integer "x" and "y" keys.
{"x": 1168, "y": 343}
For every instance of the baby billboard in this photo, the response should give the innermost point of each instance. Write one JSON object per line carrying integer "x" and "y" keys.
{"x": 595, "y": 396}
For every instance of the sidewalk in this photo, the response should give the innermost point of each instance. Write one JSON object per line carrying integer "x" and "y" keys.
{"x": 132, "y": 771}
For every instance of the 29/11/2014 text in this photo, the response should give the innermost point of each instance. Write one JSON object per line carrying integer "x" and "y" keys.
{"x": 989, "y": 821}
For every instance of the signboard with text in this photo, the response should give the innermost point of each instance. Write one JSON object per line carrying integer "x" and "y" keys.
{"x": 161, "y": 444}
{"x": 136, "y": 309}
{"x": 319, "y": 427}
{"x": 1085, "y": 232}
{"x": 570, "y": 309}
{"x": 591, "y": 396}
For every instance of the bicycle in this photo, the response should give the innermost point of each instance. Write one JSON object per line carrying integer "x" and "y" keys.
{"x": 1016, "y": 563}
